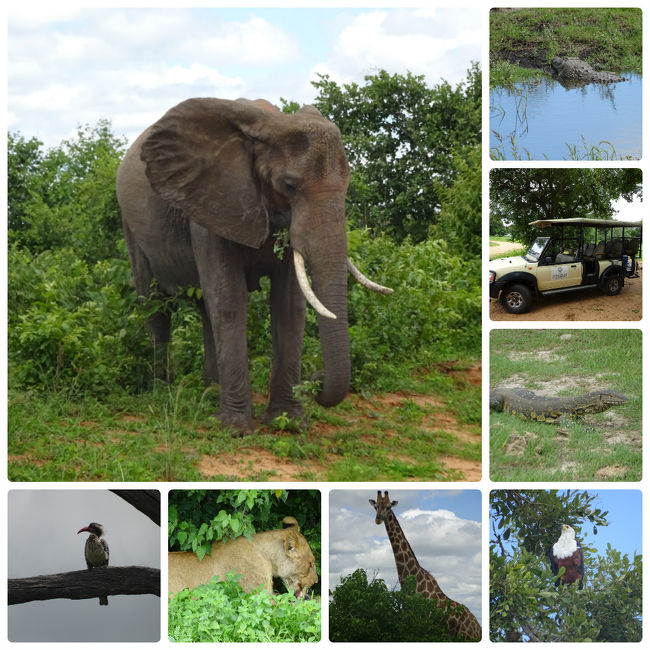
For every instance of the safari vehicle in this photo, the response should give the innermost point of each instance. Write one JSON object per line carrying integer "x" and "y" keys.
{"x": 577, "y": 254}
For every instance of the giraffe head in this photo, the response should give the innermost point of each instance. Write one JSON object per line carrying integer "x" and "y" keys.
{"x": 382, "y": 506}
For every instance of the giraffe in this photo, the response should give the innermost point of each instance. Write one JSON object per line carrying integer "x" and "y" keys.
{"x": 465, "y": 622}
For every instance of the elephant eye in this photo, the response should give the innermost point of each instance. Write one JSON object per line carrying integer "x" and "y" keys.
{"x": 289, "y": 184}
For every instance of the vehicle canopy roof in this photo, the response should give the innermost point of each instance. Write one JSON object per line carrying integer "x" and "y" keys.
{"x": 577, "y": 221}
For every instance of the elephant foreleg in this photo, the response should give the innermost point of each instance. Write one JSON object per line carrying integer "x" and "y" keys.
{"x": 225, "y": 298}
{"x": 287, "y": 328}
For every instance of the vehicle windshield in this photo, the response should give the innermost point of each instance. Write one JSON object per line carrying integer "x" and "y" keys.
{"x": 536, "y": 249}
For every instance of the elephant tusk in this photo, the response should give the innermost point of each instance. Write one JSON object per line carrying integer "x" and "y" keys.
{"x": 363, "y": 280}
{"x": 303, "y": 281}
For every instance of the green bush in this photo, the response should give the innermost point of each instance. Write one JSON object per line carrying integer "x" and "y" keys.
{"x": 74, "y": 326}
{"x": 362, "y": 610}
{"x": 78, "y": 327}
{"x": 224, "y": 612}
{"x": 434, "y": 314}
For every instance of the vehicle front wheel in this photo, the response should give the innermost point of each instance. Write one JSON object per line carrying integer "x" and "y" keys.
{"x": 516, "y": 299}
{"x": 613, "y": 285}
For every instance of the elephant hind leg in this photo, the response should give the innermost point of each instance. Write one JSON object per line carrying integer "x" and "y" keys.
{"x": 159, "y": 322}
{"x": 210, "y": 368}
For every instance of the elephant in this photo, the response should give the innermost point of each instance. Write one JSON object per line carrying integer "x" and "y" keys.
{"x": 204, "y": 193}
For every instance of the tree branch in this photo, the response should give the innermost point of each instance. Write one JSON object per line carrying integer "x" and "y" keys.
{"x": 146, "y": 501}
{"x": 77, "y": 585}
{"x": 529, "y": 632}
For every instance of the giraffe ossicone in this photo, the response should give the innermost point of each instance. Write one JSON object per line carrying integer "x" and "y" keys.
{"x": 462, "y": 623}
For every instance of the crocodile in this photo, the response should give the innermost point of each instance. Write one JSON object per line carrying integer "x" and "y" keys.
{"x": 575, "y": 71}
{"x": 549, "y": 409}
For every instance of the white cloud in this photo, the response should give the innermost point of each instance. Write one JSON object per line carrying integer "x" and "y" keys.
{"x": 255, "y": 41}
{"x": 79, "y": 67}
{"x": 629, "y": 210}
{"x": 71, "y": 67}
{"x": 437, "y": 43}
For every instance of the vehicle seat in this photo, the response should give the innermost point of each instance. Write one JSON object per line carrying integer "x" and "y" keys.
{"x": 631, "y": 245}
{"x": 614, "y": 248}
{"x": 563, "y": 258}
{"x": 599, "y": 251}
{"x": 589, "y": 254}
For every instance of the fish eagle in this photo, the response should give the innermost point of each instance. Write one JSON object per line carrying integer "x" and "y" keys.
{"x": 567, "y": 552}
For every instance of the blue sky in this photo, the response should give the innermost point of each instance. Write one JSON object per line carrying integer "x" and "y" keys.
{"x": 624, "y": 532}
{"x": 442, "y": 526}
{"x": 70, "y": 66}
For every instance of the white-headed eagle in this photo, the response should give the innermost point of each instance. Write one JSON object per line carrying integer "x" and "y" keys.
{"x": 567, "y": 552}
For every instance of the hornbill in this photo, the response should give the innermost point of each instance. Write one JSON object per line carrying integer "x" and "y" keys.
{"x": 96, "y": 550}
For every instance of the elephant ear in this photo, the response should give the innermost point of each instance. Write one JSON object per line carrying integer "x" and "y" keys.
{"x": 310, "y": 110}
{"x": 198, "y": 157}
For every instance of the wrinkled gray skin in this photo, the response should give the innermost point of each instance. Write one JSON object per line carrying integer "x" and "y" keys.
{"x": 201, "y": 192}
{"x": 576, "y": 72}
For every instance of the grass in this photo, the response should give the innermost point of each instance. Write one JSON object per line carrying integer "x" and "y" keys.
{"x": 607, "y": 38}
{"x": 428, "y": 430}
{"x": 598, "y": 447}
{"x": 604, "y": 150}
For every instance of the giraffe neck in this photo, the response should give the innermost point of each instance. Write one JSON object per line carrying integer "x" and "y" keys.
{"x": 406, "y": 562}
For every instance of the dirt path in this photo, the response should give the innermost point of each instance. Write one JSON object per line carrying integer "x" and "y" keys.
{"x": 500, "y": 247}
{"x": 257, "y": 463}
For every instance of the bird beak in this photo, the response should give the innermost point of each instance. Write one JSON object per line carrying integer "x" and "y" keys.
{"x": 82, "y": 530}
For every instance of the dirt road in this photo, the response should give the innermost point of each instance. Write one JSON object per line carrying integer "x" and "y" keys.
{"x": 499, "y": 247}
{"x": 590, "y": 304}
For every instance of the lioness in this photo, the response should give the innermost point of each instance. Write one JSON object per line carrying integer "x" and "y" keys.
{"x": 282, "y": 553}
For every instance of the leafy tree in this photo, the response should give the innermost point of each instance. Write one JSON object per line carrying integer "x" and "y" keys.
{"x": 459, "y": 221}
{"x": 401, "y": 137}
{"x": 524, "y": 602}
{"x": 65, "y": 196}
{"x": 367, "y": 611}
{"x": 24, "y": 180}
{"x": 524, "y": 194}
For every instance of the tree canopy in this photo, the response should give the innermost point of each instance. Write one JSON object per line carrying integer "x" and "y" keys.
{"x": 65, "y": 196}
{"x": 403, "y": 140}
{"x": 521, "y": 195}
{"x": 524, "y": 602}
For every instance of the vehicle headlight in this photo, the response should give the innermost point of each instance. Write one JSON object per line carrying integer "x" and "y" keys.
{"x": 492, "y": 276}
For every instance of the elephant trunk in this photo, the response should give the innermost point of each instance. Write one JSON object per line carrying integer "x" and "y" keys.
{"x": 335, "y": 342}
{"x": 318, "y": 236}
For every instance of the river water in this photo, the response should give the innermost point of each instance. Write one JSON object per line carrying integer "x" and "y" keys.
{"x": 544, "y": 117}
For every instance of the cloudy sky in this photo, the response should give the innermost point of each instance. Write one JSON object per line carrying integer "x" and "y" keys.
{"x": 442, "y": 526}
{"x": 43, "y": 539}
{"x": 71, "y": 66}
